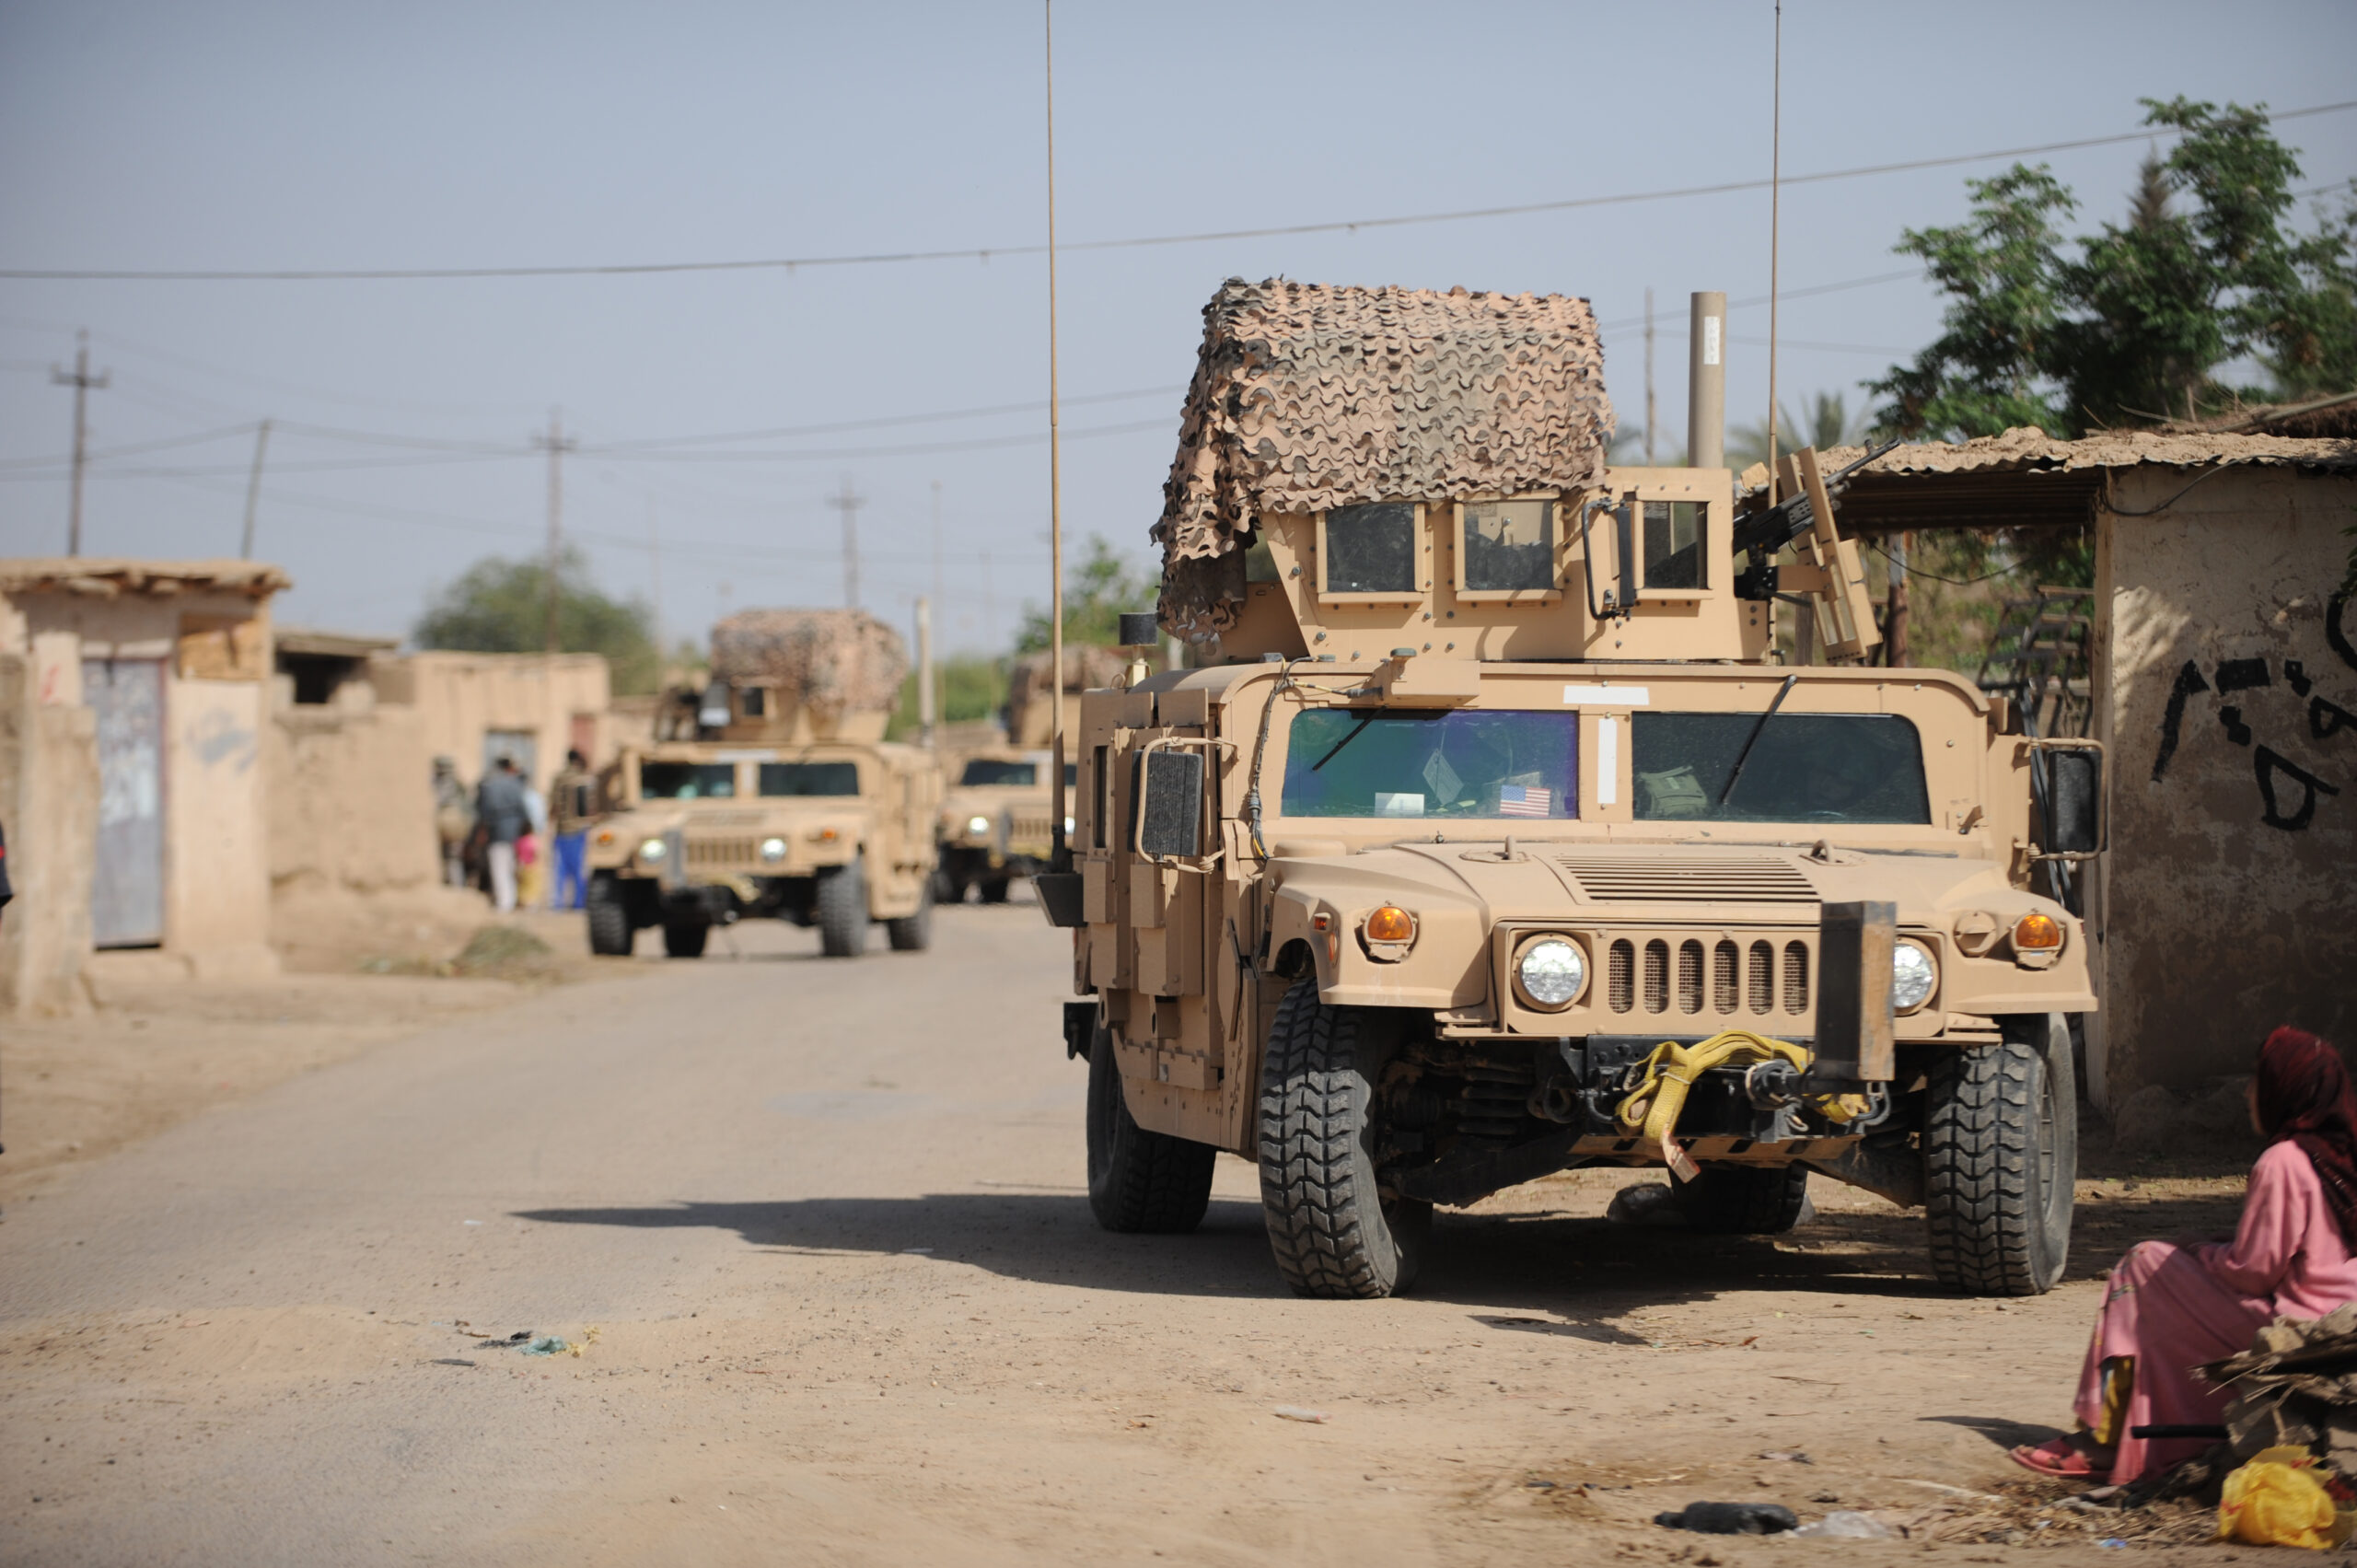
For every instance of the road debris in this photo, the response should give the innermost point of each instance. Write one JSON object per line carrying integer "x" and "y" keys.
{"x": 1295, "y": 1412}
{"x": 1845, "y": 1524}
{"x": 1731, "y": 1518}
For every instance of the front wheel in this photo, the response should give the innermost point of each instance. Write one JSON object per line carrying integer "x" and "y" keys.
{"x": 2000, "y": 1153}
{"x": 1743, "y": 1200}
{"x": 1334, "y": 1231}
{"x": 843, "y": 909}
{"x": 913, "y": 933}
{"x": 1138, "y": 1180}
{"x": 994, "y": 889}
{"x": 685, "y": 938}
{"x": 609, "y": 927}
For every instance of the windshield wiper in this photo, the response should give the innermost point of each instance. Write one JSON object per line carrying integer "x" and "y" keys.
{"x": 1355, "y": 729}
{"x": 1753, "y": 740}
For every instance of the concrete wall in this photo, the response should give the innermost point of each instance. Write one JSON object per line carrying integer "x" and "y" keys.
{"x": 49, "y": 804}
{"x": 352, "y": 801}
{"x": 462, "y": 697}
{"x": 2229, "y": 901}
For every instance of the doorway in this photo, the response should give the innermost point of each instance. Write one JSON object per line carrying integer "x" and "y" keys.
{"x": 127, "y": 883}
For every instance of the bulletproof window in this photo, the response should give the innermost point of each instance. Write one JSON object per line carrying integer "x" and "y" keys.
{"x": 1674, "y": 541}
{"x": 1462, "y": 762}
{"x": 687, "y": 781}
{"x": 809, "y": 778}
{"x": 1802, "y": 768}
{"x": 1508, "y": 546}
{"x": 984, "y": 771}
{"x": 1370, "y": 549}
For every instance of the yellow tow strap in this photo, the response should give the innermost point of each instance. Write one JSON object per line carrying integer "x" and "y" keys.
{"x": 1653, "y": 1105}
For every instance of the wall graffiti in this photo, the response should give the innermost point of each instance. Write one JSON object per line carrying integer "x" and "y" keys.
{"x": 2274, "y": 773}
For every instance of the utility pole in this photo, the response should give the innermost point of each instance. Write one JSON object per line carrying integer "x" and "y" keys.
{"x": 925, "y": 672}
{"x": 932, "y": 664}
{"x": 654, "y": 572}
{"x": 253, "y": 492}
{"x": 83, "y": 383}
{"x": 558, "y": 444}
{"x": 848, "y": 504}
{"x": 1060, "y": 852}
{"x": 1649, "y": 378}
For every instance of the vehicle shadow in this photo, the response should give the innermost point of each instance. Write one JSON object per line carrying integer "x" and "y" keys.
{"x": 1521, "y": 1273}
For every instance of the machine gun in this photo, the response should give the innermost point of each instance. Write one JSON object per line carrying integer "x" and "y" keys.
{"x": 1761, "y": 534}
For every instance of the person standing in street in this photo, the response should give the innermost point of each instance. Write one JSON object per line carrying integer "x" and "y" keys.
{"x": 573, "y": 801}
{"x": 500, "y": 813}
{"x": 454, "y": 820}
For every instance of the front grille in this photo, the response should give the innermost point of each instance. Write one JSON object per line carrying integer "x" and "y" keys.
{"x": 1761, "y": 993}
{"x": 1614, "y": 876}
{"x": 1619, "y": 977}
{"x": 1723, "y": 988}
{"x": 1748, "y": 982}
{"x": 702, "y": 852}
{"x": 1796, "y": 977}
{"x": 1690, "y": 977}
{"x": 1656, "y": 976}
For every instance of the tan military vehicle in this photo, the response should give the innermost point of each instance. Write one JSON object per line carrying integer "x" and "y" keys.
{"x": 1492, "y": 840}
{"x": 772, "y": 792}
{"x": 995, "y": 822}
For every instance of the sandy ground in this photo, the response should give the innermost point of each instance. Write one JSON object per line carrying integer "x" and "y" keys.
{"x": 820, "y": 1233}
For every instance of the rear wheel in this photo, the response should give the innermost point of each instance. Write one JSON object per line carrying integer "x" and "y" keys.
{"x": 2001, "y": 1150}
{"x": 1138, "y": 1180}
{"x": 1333, "y": 1233}
{"x": 1743, "y": 1200}
{"x": 913, "y": 933}
{"x": 843, "y": 909}
{"x": 609, "y": 927}
{"x": 685, "y": 938}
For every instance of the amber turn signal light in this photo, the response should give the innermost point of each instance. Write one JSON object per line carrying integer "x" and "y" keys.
{"x": 1391, "y": 924}
{"x": 2037, "y": 933}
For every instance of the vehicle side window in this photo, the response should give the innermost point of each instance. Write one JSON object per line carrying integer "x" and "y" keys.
{"x": 1804, "y": 767}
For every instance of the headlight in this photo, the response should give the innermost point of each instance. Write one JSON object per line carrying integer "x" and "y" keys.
{"x": 1912, "y": 977}
{"x": 773, "y": 849}
{"x": 651, "y": 850}
{"x": 978, "y": 825}
{"x": 1067, "y": 826}
{"x": 1552, "y": 972}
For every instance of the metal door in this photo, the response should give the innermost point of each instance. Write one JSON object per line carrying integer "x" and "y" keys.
{"x": 127, "y": 889}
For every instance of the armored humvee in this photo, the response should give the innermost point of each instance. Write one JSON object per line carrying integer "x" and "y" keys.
{"x": 773, "y": 792}
{"x": 1491, "y": 839}
{"x": 996, "y": 822}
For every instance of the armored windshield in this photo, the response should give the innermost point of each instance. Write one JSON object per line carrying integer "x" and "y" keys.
{"x": 1458, "y": 763}
{"x": 1805, "y": 768}
{"x": 809, "y": 778}
{"x": 992, "y": 770}
{"x": 687, "y": 781}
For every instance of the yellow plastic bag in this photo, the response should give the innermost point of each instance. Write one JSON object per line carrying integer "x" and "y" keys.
{"x": 2276, "y": 1500}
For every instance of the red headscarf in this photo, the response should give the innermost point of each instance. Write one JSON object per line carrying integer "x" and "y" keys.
{"x": 2303, "y": 1095}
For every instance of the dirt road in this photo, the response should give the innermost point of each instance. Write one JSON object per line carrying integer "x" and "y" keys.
{"x": 819, "y": 1231}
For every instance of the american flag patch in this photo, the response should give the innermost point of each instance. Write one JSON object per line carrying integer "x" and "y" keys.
{"x": 1523, "y": 800}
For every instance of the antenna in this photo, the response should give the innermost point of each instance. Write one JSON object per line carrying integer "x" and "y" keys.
{"x": 1775, "y": 213}
{"x": 1061, "y": 855}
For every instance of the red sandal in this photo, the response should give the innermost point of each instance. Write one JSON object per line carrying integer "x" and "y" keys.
{"x": 2064, "y": 1458}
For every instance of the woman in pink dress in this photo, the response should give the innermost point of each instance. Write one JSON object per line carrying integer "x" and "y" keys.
{"x": 2171, "y": 1307}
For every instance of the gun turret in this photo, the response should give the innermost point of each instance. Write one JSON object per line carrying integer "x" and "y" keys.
{"x": 1761, "y": 534}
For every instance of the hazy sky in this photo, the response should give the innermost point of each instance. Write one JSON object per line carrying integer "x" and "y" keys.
{"x": 282, "y": 135}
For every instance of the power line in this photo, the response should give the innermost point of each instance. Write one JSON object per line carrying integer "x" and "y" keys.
{"x": 985, "y": 253}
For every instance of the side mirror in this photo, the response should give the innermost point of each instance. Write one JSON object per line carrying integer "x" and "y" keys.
{"x": 711, "y": 709}
{"x": 2068, "y": 780}
{"x": 1170, "y": 805}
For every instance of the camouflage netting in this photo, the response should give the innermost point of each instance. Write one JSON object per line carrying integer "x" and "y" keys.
{"x": 1308, "y": 397}
{"x": 839, "y": 660}
{"x": 1028, "y": 682}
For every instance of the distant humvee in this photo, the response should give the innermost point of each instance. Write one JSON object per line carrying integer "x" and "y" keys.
{"x": 1492, "y": 839}
{"x": 773, "y": 792}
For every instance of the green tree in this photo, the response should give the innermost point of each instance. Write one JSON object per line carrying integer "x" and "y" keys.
{"x": 1100, "y": 589}
{"x": 500, "y": 607}
{"x": 1988, "y": 370}
{"x": 973, "y": 685}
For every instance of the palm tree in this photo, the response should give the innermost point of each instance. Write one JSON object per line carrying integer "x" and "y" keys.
{"x": 1830, "y": 423}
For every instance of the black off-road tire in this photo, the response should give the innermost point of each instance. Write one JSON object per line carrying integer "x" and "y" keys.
{"x": 611, "y": 935}
{"x": 2001, "y": 1150}
{"x": 1743, "y": 1200}
{"x": 1333, "y": 1233}
{"x": 1139, "y": 1182}
{"x": 993, "y": 888}
{"x": 842, "y": 909}
{"x": 685, "y": 938}
{"x": 913, "y": 933}
{"x": 946, "y": 888}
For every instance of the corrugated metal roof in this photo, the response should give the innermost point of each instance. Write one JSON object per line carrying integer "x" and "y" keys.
{"x": 1310, "y": 396}
{"x": 2026, "y": 477}
{"x": 106, "y": 576}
